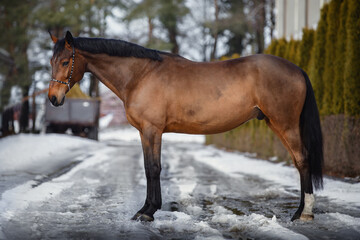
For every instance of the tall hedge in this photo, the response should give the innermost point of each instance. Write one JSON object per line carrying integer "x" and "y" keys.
{"x": 305, "y": 47}
{"x": 332, "y": 20}
{"x": 352, "y": 65}
{"x": 272, "y": 47}
{"x": 291, "y": 50}
{"x": 281, "y": 48}
{"x": 318, "y": 61}
{"x": 338, "y": 83}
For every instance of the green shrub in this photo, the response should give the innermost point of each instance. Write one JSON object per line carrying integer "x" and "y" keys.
{"x": 318, "y": 61}
{"x": 291, "y": 49}
{"x": 352, "y": 65}
{"x": 304, "y": 51}
{"x": 281, "y": 48}
{"x": 332, "y": 20}
{"x": 272, "y": 47}
{"x": 338, "y": 84}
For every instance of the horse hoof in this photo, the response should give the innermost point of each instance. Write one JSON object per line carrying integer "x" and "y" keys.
{"x": 307, "y": 217}
{"x": 136, "y": 216}
{"x": 295, "y": 217}
{"x": 145, "y": 218}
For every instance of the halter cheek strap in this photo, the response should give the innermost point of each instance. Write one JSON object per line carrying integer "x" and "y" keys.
{"x": 71, "y": 72}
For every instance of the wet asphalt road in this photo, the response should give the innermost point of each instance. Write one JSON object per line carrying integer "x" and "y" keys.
{"x": 98, "y": 198}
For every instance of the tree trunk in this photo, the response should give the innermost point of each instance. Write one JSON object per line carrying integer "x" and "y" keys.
{"x": 260, "y": 26}
{"x": 24, "y": 112}
{"x": 173, "y": 41}
{"x": 271, "y": 4}
{"x": 94, "y": 86}
{"x": 150, "y": 33}
{"x": 216, "y": 30}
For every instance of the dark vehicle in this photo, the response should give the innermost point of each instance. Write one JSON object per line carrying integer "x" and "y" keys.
{"x": 79, "y": 115}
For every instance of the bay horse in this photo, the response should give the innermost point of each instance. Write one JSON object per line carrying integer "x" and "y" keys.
{"x": 163, "y": 92}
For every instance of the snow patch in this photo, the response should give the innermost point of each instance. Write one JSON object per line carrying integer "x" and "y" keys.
{"x": 105, "y": 120}
{"x": 254, "y": 224}
{"x": 21, "y": 196}
{"x": 100, "y": 156}
{"x": 31, "y": 153}
{"x": 235, "y": 164}
{"x": 130, "y": 133}
{"x": 181, "y": 222}
{"x": 338, "y": 219}
{"x": 194, "y": 210}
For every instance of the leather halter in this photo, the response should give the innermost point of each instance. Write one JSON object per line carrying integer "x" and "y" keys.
{"x": 71, "y": 72}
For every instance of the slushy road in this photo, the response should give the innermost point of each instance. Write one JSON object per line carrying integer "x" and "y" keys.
{"x": 89, "y": 190}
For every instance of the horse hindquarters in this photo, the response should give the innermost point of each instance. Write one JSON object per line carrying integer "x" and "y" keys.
{"x": 311, "y": 137}
{"x": 303, "y": 140}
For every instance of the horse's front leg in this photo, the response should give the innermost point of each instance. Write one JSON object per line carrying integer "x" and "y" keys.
{"x": 151, "y": 144}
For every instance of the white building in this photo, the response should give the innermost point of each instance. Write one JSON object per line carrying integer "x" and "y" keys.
{"x": 294, "y": 15}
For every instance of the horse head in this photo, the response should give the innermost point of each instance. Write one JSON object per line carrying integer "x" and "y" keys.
{"x": 68, "y": 68}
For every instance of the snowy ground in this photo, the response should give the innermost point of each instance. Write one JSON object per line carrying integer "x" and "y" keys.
{"x": 63, "y": 187}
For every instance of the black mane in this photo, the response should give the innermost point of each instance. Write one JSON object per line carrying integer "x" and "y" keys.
{"x": 111, "y": 47}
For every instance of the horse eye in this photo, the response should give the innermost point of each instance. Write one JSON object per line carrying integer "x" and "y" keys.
{"x": 65, "y": 63}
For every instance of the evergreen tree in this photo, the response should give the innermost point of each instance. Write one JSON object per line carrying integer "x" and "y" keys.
{"x": 332, "y": 20}
{"x": 247, "y": 20}
{"x": 304, "y": 51}
{"x": 352, "y": 65}
{"x": 281, "y": 48}
{"x": 171, "y": 13}
{"x": 318, "y": 61}
{"x": 288, "y": 48}
{"x": 82, "y": 17}
{"x": 237, "y": 24}
{"x": 272, "y": 47}
{"x": 15, "y": 18}
{"x": 293, "y": 49}
{"x": 338, "y": 84}
{"x": 148, "y": 9}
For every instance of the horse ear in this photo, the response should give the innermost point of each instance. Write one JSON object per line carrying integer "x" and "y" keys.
{"x": 53, "y": 38}
{"x": 69, "y": 40}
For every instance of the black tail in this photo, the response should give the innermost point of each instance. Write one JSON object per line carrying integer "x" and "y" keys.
{"x": 311, "y": 135}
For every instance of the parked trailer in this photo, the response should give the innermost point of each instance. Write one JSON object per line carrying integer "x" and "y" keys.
{"x": 79, "y": 115}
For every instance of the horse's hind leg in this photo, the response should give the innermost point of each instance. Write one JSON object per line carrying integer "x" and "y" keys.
{"x": 292, "y": 141}
{"x": 304, "y": 212}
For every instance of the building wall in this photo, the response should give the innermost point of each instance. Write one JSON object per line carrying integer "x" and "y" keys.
{"x": 293, "y": 15}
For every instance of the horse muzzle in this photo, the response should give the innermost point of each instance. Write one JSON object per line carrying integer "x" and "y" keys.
{"x": 54, "y": 100}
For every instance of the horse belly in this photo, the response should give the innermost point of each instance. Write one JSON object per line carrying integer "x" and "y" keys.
{"x": 210, "y": 117}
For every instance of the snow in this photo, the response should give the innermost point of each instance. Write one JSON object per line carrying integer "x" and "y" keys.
{"x": 30, "y": 152}
{"x": 235, "y": 164}
{"x": 254, "y": 223}
{"x": 41, "y": 154}
{"x": 182, "y": 222}
{"x": 21, "y": 196}
{"x": 346, "y": 219}
{"x": 38, "y": 149}
{"x": 105, "y": 120}
{"x": 128, "y": 133}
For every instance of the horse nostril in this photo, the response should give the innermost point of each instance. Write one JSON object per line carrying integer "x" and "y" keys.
{"x": 62, "y": 101}
{"x": 53, "y": 100}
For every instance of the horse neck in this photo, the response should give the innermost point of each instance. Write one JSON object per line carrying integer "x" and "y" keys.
{"x": 119, "y": 74}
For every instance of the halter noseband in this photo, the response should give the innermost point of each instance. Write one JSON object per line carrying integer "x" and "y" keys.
{"x": 71, "y": 72}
